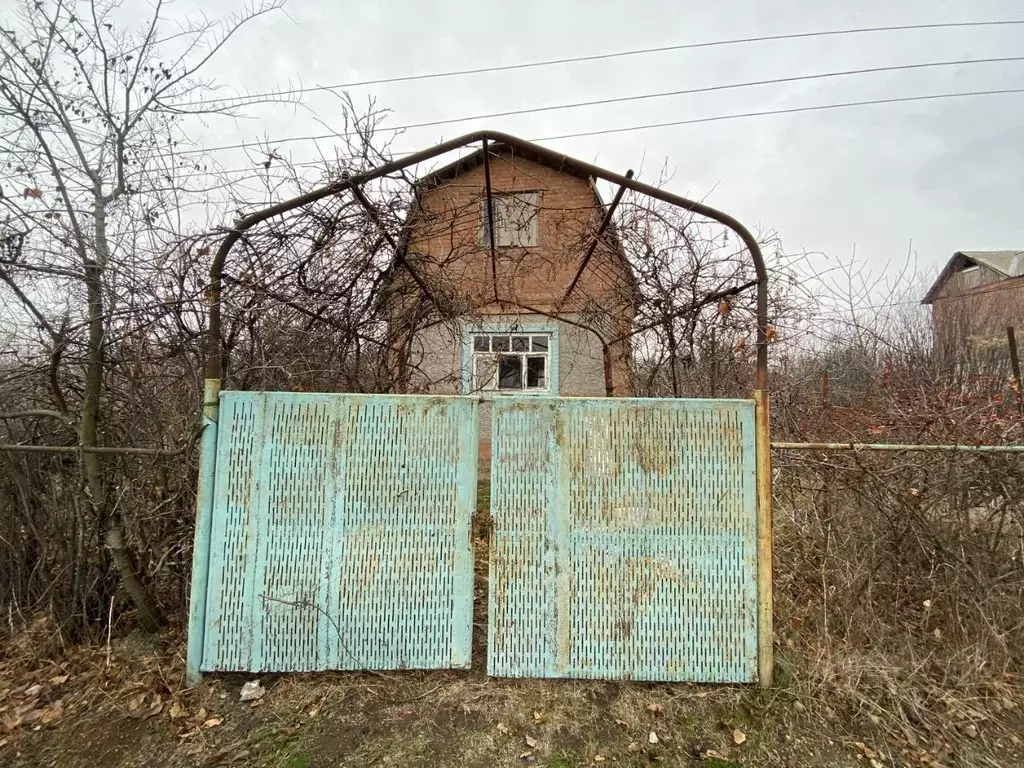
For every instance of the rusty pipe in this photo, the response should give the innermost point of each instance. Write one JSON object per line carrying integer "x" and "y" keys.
{"x": 213, "y": 350}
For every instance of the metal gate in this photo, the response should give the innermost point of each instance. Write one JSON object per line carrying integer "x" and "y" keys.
{"x": 624, "y": 540}
{"x": 340, "y": 534}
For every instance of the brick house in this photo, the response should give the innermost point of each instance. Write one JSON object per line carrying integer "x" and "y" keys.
{"x": 975, "y": 297}
{"x": 507, "y": 340}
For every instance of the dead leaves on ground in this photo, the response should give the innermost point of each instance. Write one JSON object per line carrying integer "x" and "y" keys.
{"x": 32, "y": 705}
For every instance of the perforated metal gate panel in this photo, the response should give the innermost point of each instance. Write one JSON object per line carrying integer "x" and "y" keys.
{"x": 341, "y": 533}
{"x": 624, "y": 539}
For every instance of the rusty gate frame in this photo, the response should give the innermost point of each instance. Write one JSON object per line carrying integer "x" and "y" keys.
{"x": 213, "y": 365}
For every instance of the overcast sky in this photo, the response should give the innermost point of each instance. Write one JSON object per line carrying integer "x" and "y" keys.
{"x": 945, "y": 174}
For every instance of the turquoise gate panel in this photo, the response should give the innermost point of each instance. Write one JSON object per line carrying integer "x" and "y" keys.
{"x": 624, "y": 539}
{"x": 341, "y": 533}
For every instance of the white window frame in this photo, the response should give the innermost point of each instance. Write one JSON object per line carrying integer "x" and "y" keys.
{"x": 534, "y": 340}
{"x": 512, "y": 228}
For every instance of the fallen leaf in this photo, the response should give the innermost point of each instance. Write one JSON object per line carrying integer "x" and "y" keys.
{"x": 652, "y": 738}
{"x": 623, "y": 723}
{"x": 598, "y": 758}
{"x": 59, "y": 679}
{"x": 798, "y": 706}
{"x": 502, "y": 729}
{"x": 316, "y": 711}
{"x": 176, "y": 711}
{"x": 156, "y": 707}
{"x": 136, "y": 701}
{"x": 865, "y": 750}
{"x": 52, "y": 713}
{"x": 715, "y": 754}
{"x": 524, "y": 755}
{"x": 634, "y": 746}
{"x": 467, "y": 709}
{"x": 539, "y": 717}
{"x": 655, "y": 708}
{"x": 34, "y": 690}
{"x": 738, "y": 737}
{"x": 32, "y": 716}
{"x": 200, "y": 715}
{"x": 530, "y": 742}
{"x": 213, "y": 722}
{"x": 971, "y": 730}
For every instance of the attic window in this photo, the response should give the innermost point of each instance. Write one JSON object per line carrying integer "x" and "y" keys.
{"x": 970, "y": 266}
{"x": 515, "y": 219}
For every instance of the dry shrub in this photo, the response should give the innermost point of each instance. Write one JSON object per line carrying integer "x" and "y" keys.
{"x": 900, "y": 579}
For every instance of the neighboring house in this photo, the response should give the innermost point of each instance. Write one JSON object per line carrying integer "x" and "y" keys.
{"x": 506, "y": 339}
{"x": 976, "y": 296}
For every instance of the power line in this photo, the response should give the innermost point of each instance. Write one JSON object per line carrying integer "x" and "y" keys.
{"x": 621, "y": 99}
{"x": 602, "y": 56}
{"x": 791, "y": 111}
{"x": 714, "y": 118}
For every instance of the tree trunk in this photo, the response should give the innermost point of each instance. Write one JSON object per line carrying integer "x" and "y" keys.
{"x": 150, "y": 617}
{"x": 95, "y": 491}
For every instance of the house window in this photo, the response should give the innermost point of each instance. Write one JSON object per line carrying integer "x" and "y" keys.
{"x": 515, "y": 219}
{"x": 506, "y": 362}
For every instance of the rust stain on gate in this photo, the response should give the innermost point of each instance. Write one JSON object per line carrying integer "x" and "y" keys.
{"x": 624, "y": 540}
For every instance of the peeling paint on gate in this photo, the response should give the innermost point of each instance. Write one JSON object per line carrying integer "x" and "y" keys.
{"x": 624, "y": 540}
{"x": 341, "y": 533}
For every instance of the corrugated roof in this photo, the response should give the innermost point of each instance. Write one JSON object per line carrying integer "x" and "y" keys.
{"x": 1006, "y": 263}
{"x": 1009, "y": 263}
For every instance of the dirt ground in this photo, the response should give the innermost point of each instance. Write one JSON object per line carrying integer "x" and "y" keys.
{"x": 128, "y": 705}
{"x": 132, "y": 708}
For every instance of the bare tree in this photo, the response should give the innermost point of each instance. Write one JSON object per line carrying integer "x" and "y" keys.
{"x": 90, "y": 115}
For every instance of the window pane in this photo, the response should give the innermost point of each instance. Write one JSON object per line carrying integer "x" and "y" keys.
{"x": 483, "y": 372}
{"x": 540, "y": 343}
{"x": 510, "y": 372}
{"x": 535, "y": 372}
{"x": 499, "y": 343}
{"x": 482, "y": 343}
{"x": 520, "y": 344}
{"x": 515, "y": 219}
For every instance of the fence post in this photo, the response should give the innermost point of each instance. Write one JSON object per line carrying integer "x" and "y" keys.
{"x": 763, "y": 452}
{"x": 1011, "y": 339}
{"x": 204, "y": 524}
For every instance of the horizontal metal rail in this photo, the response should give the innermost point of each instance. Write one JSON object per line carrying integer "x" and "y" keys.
{"x": 897, "y": 447}
{"x": 781, "y": 446}
{"x": 98, "y": 449}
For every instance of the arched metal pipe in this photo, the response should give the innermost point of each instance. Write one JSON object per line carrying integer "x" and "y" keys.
{"x": 557, "y": 159}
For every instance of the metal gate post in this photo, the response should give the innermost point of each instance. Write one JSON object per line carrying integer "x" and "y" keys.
{"x": 763, "y": 451}
{"x": 204, "y": 524}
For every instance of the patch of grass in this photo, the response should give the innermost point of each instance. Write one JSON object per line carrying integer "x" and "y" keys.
{"x": 274, "y": 748}
{"x": 717, "y": 762}
{"x": 560, "y": 761}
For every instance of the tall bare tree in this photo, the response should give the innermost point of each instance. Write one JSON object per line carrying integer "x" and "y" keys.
{"x": 90, "y": 114}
